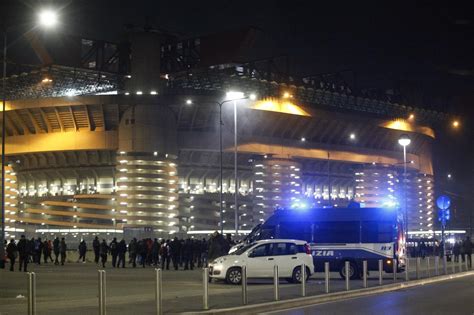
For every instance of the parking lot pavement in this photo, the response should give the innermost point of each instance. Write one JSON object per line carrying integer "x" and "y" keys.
{"x": 73, "y": 288}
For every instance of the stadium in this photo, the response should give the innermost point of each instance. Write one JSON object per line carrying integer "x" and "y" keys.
{"x": 139, "y": 137}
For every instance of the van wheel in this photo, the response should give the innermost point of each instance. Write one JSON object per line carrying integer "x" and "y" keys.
{"x": 296, "y": 277}
{"x": 353, "y": 271}
{"x": 234, "y": 276}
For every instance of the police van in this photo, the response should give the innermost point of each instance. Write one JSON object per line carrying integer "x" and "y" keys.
{"x": 337, "y": 235}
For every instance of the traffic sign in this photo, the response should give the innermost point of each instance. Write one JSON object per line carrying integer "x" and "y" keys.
{"x": 443, "y": 202}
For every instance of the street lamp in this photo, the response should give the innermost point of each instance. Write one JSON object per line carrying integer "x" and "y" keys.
{"x": 404, "y": 141}
{"x": 231, "y": 96}
{"x": 47, "y": 19}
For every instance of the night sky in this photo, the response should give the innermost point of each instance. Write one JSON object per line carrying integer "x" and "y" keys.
{"x": 422, "y": 49}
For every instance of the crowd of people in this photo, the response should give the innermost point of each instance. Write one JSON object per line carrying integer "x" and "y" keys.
{"x": 181, "y": 253}
{"x": 463, "y": 248}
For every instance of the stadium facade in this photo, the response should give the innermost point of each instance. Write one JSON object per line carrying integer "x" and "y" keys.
{"x": 93, "y": 151}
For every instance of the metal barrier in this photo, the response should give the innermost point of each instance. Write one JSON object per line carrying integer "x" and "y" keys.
{"x": 407, "y": 269}
{"x": 303, "y": 280}
{"x": 102, "y": 292}
{"x": 436, "y": 263}
{"x": 244, "y": 285}
{"x": 364, "y": 273}
{"x": 347, "y": 267}
{"x": 276, "y": 282}
{"x": 394, "y": 269}
{"x": 428, "y": 273}
{"x": 31, "y": 293}
{"x": 380, "y": 271}
{"x": 158, "y": 292}
{"x": 417, "y": 267}
{"x": 326, "y": 276}
{"x": 445, "y": 264}
{"x": 205, "y": 288}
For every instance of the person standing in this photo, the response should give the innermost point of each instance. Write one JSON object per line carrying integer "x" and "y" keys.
{"x": 155, "y": 252}
{"x": 82, "y": 251}
{"x": 96, "y": 248}
{"x": 204, "y": 250}
{"x": 121, "y": 250}
{"x": 63, "y": 250}
{"x": 56, "y": 250}
{"x": 165, "y": 255}
{"x": 114, "y": 251}
{"x": 188, "y": 255}
{"x": 12, "y": 253}
{"x": 175, "y": 248}
{"x": 50, "y": 250}
{"x": 132, "y": 252}
{"x": 24, "y": 252}
{"x": 38, "y": 251}
{"x": 103, "y": 251}
{"x": 142, "y": 250}
{"x": 45, "y": 251}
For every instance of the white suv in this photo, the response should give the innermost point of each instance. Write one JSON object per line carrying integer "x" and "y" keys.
{"x": 261, "y": 257}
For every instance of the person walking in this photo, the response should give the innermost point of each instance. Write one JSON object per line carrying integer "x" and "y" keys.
{"x": 121, "y": 250}
{"x": 457, "y": 251}
{"x": 142, "y": 251}
{"x": 12, "y": 253}
{"x": 96, "y": 248}
{"x": 132, "y": 252}
{"x": 56, "y": 243}
{"x": 38, "y": 251}
{"x": 82, "y": 251}
{"x": 63, "y": 250}
{"x": 114, "y": 251}
{"x": 103, "y": 251}
{"x": 204, "y": 252}
{"x": 50, "y": 250}
{"x": 23, "y": 252}
{"x": 467, "y": 245}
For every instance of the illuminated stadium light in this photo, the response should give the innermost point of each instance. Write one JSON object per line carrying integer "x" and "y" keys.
{"x": 234, "y": 95}
{"x": 404, "y": 140}
{"x": 352, "y": 136}
{"x": 253, "y": 96}
{"x": 189, "y": 102}
{"x": 153, "y": 93}
{"x": 48, "y": 18}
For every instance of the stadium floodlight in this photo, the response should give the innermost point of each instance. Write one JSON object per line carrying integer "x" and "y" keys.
{"x": 48, "y": 18}
{"x": 404, "y": 140}
{"x": 234, "y": 95}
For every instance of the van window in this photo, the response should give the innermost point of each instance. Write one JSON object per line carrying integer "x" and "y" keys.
{"x": 376, "y": 232}
{"x": 337, "y": 232}
{"x": 295, "y": 231}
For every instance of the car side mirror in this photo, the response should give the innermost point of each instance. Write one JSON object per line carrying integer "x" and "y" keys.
{"x": 251, "y": 254}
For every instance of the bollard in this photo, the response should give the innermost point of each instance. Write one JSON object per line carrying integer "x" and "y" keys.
{"x": 244, "y": 285}
{"x": 303, "y": 280}
{"x": 205, "y": 288}
{"x": 158, "y": 292}
{"x": 436, "y": 263}
{"x": 428, "y": 267}
{"x": 465, "y": 262}
{"x": 395, "y": 269}
{"x": 380, "y": 271}
{"x": 276, "y": 282}
{"x": 364, "y": 273}
{"x": 460, "y": 263}
{"x": 472, "y": 259}
{"x": 102, "y": 292}
{"x": 445, "y": 264}
{"x": 453, "y": 264}
{"x": 417, "y": 267}
{"x": 31, "y": 293}
{"x": 326, "y": 276}
{"x": 347, "y": 267}
{"x": 407, "y": 269}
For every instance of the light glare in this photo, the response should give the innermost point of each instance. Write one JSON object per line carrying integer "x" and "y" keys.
{"x": 48, "y": 18}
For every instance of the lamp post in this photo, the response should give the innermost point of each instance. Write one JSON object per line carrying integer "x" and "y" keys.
{"x": 231, "y": 96}
{"x": 404, "y": 141}
{"x": 46, "y": 19}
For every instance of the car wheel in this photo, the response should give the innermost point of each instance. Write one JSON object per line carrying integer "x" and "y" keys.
{"x": 353, "y": 271}
{"x": 234, "y": 276}
{"x": 296, "y": 278}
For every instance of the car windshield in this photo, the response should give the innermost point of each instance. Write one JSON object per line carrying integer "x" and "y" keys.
{"x": 242, "y": 250}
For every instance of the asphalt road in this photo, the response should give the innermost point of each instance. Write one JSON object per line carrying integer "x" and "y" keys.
{"x": 72, "y": 289}
{"x": 447, "y": 297}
